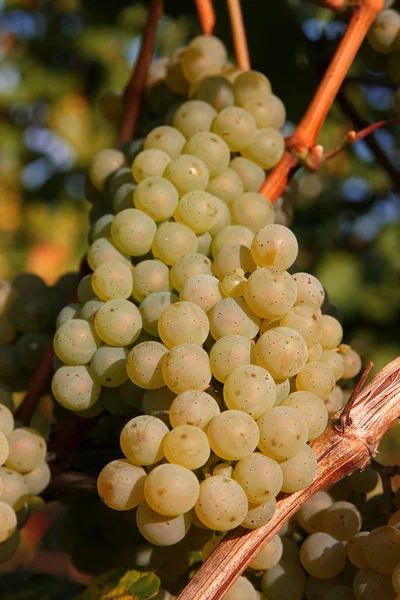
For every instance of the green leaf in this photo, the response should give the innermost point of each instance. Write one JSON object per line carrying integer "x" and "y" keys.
{"x": 119, "y": 584}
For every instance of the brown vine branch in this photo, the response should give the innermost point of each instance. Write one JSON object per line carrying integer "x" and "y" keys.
{"x": 239, "y": 34}
{"x": 36, "y": 387}
{"x": 71, "y": 483}
{"x": 345, "y": 419}
{"x": 206, "y": 14}
{"x": 133, "y": 95}
{"x": 373, "y": 412}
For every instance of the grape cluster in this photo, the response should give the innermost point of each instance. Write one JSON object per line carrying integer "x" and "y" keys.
{"x": 384, "y": 39}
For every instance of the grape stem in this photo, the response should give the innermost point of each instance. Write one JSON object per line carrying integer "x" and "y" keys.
{"x": 386, "y": 472}
{"x": 345, "y": 419}
{"x": 374, "y": 410}
{"x": 305, "y": 136}
{"x": 239, "y": 34}
{"x": 206, "y": 14}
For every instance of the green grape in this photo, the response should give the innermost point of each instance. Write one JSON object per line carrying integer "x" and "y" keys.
{"x": 4, "y": 448}
{"x": 382, "y": 549}
{"x": 299, "y": 471}
{"x": 70, "y": 311}
{"x": 249, "y": 388}
{"x": 339, "y": 592}
{"x": 123, "y": 197}
{"x": 226, "y": 185}
{"x": 254, "y": 211}
{"x": 150, "y": 276}
{"x": 142, "y": 440}
{"x": 172, "y": 241}
{"x": 332, "y": 332}
{"x": 231, "y": 316}
{"x": 149, "y": 163}
{"x": 222, "y": 504}
{"x": 84, "y": 290}
{"x": 269, "y": 556}
{"x": 7, "y": 331}
{"x": 117, "y": 322}
{"x": 284, "y": 581}
{"x": 112, "y": 280}
{"x": 282, "y": 387}
{"x": 27, "y": 450}
{"x": 103, "y": 250}
{"x": 267, "y": 112}
{"x": 133, "y": 231}
{"x": 121, "y": 485}
{"x": 235, "y": 126}
{"x": 228, "y": 353}
{"x": 193, "y": 116}
{"x": 369, "y": 585}
{"x": 6, "y": 419}
{"x": 233, "y": 435}
{"x": 251, "y": 174}
{"x": 9, "y": 547}
{"x": 188, "y": 173}
{"x": 311, "y": 512}
{"x": 341, "y": 519}
{"x": 241, "y": 588}
{"x": 75, "y": 342}
{"x": 38, "y": 479}
{"x": 251, "y": 85}
{"x": 265, "y": 148}
{"x": 282, "y": 352}
{"x": 270, "y": 292}
{"x": 165, "y": 138}
{"x": 260, "y": 477}
{"x": 202, "y": 290}
{"x": 197, "y": 210}
{"x": 183, "y": 323}
{"x": 316, "y": 377}
{"x": 109, "y": 366}
{"x": 30, "y": 312}
{"x": 274, "y": 246}
{"x": 171, "y": 490}
{"x": 335, "y": 401}
{"x": 159, "y": 529}
{"x": 144, "y": 364}
{"x": 204, "y": 241}
{"x": 233, "y": 285}
{"x": 313, "y": 410}
{"x": 188, "y": 446}
{"x": 309, "y": 290}
{"x": 9, "y": 368}
{"x": 187, "y": 266}
{"x": 314, "y": 350}
{"x": 8, "y": 521}
{"x": 223, "y": 469}
{"x": 214, "y": 90}
{"x": 384, "y": 33}
{"x": 30, "y": 348}
{"x": 152, "y": 307}
{"x": 223, "y": 217}
{"x": 120, "y": 178}
{"x": 75, "y": 388}
{"x": 352, "y": 364}
{"x": 283, "y": 432}
{"x": 259, "y": 514}
{"x": 156, "y": 197}
{"x": 174, "y": 77}
{"x": 335, "y": 361}
{"x": 322, "y": 555}
{"x": 362, "y": 482}
{"x": 157, "y": 403}
{"x": 103, "y": 164}
{"x": 211, "y": 148}
{"x": 392, "y": 67}
{"x": 205, "y": 55}
{"x": 306, "y": 320}
{"x": 233, "y": 234}
{"x": 15, "y": 489}
{"x": 193, "y": 408}
{"x": 355, "y": 550}
{"x": 186, "y": 367}
{"x": 102, "y": 227}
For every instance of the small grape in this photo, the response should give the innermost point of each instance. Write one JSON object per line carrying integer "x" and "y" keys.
{"x": 233, "y": 435}
{"x": 193, "y": 408}
{"x": 149, "y": 163}
{"x": 251, "y": 174}
{"x": 274, "y": 246}
{"x": 205, "y": 55}
{"x": 103, "y": 164}
{"x": 8, "y": 521}
{"x": 38, "y": 479}
{"x": 222, "y": 219}
{"x": 309, "y": 290}
{"x": 235, "y": 126}
{"x": 265, "y": 148}
{"x": 112, "y": 280}
{"x": 306, "y": 320}
{"x": 202, "y": 290}
{"x": 352, "y": 364}
{"x": 267, "y": 112}
{"x": 241, "y": 588}
{"x": 251, "y": 85}
{"x": 84, "y": 290}
{"x": 171, "y": 489}
{"x": 259, "y": 514}
{"x": 189, "y": 266}
{"x": 311, "y": 512}
{"x": 222, "y": 504}
{"x": 157, "y": 403}
{"x": 197, "y": 210}
{"x": 183, "y": 322}
{"x": 322, "y": 555}
{"x": 75, "y": 388}
{"x": 342, "y": 520}
{"x": 270, "y": 292}
{"x": 152, "y": 307}
{"x": 231, "y": 316}
{"x": 282, "y": 352}
{"x": 118, "y": 322}
{"x": 252, "y": 210}
{"x": 384, "y": 34}
{"x": 299, "y": 471}
{"x": 193, "y": 116}
{"x": 313, "y": 410}
{"x": 142, "y": 440}
{"x": 226, "y": 185}
{"x": 133, "y": 231}
{"x": 249, "y": 388}
{"x": 6, "y": 419}
{"x": 159, "y": 529}
{"x": 316, "y": 377}
{"x": 102, "y": 250}
{"x": 285, "y": 581}
{"x": 332, "y": 332}
{"x": 186, "y": 367}
{"x": 382, "y": 549}
{"x": 283, "y": 432}
{"x": 188, "y": 446}
{"x": 173, "y": 241}
{"x": 228, "y": 353}
{"x": 109, "y": 366}
{"x": 165, "y": 138}
{"x": 121, "y": 485}
{"x": 156, "y": 197}
{"x": 211, "y": 148}
{"x": 15, "y": 489}
{"x": 269, "y": 556}
{"x": 144, "y": 365}
{"x": 214, "y": 90}
{"x": 75, "y": 342}
{"x": 233, "y": 234}
{"x": 260, "y": 477}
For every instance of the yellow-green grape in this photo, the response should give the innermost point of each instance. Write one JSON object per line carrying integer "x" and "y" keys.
{"x": 193, "y": 116}
{"x": 267, "y": 112}
{"x": 282, "y": 387}
{"x": 38, "y": 479}
{"x": 259, "y": 514}
{"x": 223, "y": 217}
{"x": 352, "y": 364}
{"x": 14, "y": 490}
{"x": 233, "y": 435}
{"x": 187, "y": 266}
{"x": 103, "y": 250}
{"x": 186, "y": 367}
{"x": 235, "y": 126}
{"x": 142, "y": 440}
{"x": 241, "y": 588}
{"x": 202, "y": 290}
{"x": 231, "y": 259}
{"x": 285, "y": 581}
{"x": 6, "y": 419}
{"x": 150, "y": 163}
{"x": 270, "y": 292}
{"x": 112, "y": 280}
{"x": 228, "y": 353}
{"x": 204, "y": 241}
{"x": 223, "y": 469}
{"x": 332, "y": 332}
{"x": 370, "y": 584}
{"x": 150, "y": 276}
{"x": 269, "y": 556}
{"x": 283, "y": 432}
{"x": 118, "y": 322}
{"x": 165, "y": 138}
{"x": 322, "y": 555}
{"x": 233, "y": 285}
{"x": 260, "y": 476}
{"x": 75, "y": 342}
{"x": 4, "y": 449}
{"x": 103, "y": 164}
{"x": 171, "y": 490}
{"x": 188, "y": 446}
{"x": 181, "y": 323}
{"x": 197, "y": 210}
{"x": 249, "y": 388}
{"x": 282, "y": 352}
{"x": 226, "y": 185}
{"x": 174, "y": 77}
{"x": 274, "y": 246}
{"x": 254, "y": 211}
{"x": 335, "y": 401}
{"x": 310, "y": 513}
{"x": 172, "y": 241}
{"x": 102, "y": 227}
{"x": 133, "y": 231}
{"x": 222, "y": 504}
{"x": 70, "y": 311}
{"x": 156, "y": 197}
{"x": 306, "y": 320}
{"x": 157, "y": 403}
{"x": 309, "y": 290}
{"x": 144, "y": 365}
{"x": 214, "y": 90}
{"x": 160, "y": 530}
{"x": 27, "y": 450}
{"x": 193, "y": 408}
{"x": 109, "y": 366}
{"x": 152, "y": 307}
{"x": 251, "y": 85}
{"x": 121, "y": 485}
{"x": 8, "y": 521}
{"x": 392, "y": 67}
{"x": 211, "y": 148}
{"x": 313, "y": 410}
{"x": 75, "y": 388}
{"x": 299, "y": 471}
{"x": 364, "y": 481}
{"x": 335, "y": 361}
{"x": 205, "y": 55}
{"x": 384, "y": 33}
{"x": 232, "y": 316}
{"x": 84, "y": 290}
{"x": 233, "y": 234}
{"x": 382, "y": 549}
{"x": 251, "y": 174}
{"x": 231, "y": 72}
{"x": 314, "y": 350}
{"x": 316, "y": 377}
{"x": 122, "y": 198}
{"x": 341, "y": 520}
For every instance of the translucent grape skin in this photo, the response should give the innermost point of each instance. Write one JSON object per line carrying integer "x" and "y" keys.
{"x": 152, "y": 307}
{"x": 159, "y": 529}
{"x": 109, "y": 366}
{"x": 194, "y": 116}
{"x": 274, "y": 246}
{"x": 322, "y": 555}
{"x": 250, "y": 388}
{"x": 251, "y": 174}
{"x": 211, "y": 148}
{"x": 228, "y": 353}
{"x": 188, "y": 266}
{"x": 75, "y": 387}
{"x": 27, "y": 450}
{"x": 186, "y": 367}
{"x": 316, "y": 377}
{"x": 269, "y": 556}
{"x": 193, "y": 408}
{"x": 282, "y": 352}
{"x": 299, "y": 471}
{"x": 310, "y": 291}
{"x": 342, "y": 519}
{"x": 112, "y": 280}
{"x": 38, "y": 479}
{"x": 150, "y": 276}
{"x": 270, "y": 292}
{"x": 283, "y": 432}
{"x": 144, "y": 365}
{"x": 133, "y": 231}
{"x": 259, "y": 514}
{"x": 121, "y": 485}
{"x": 171, "y": 489}
{"x": 156, "y": 197}
{"x": 310, "y": 514}
{"x": 173, "y": 241}
{"x": 142, "y": 440}
{"x": 312, "y": 408}
{"x": 260, "y": 477}
{"x": 285, "y": 581}
{"x": 265, "y": 147}
{"x": 8, "y": 521}
{"x": 231, "y": 316}
{"x": 203, "y": 290}
{"x": 183, "y": 322}
{"x": 187, "y": 446}
{"x": 118, "y": 322}
{"x": 241, "y": 588}
{"x": 233, "y": 435}
{"x": 222, "y": 504}
{"x": 75, "y": 342}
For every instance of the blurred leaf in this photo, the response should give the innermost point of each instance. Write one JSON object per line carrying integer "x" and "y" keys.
{"x": 119, "y": 584}
{"x": 37, "y": 587}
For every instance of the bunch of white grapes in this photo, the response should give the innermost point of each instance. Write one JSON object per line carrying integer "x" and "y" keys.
{"x": 384, "y": 38}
